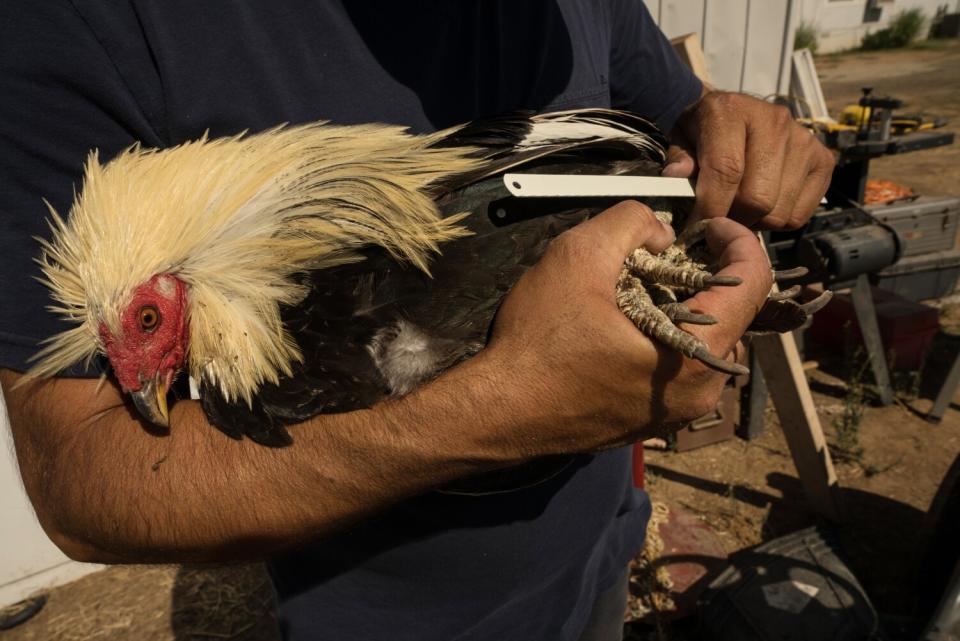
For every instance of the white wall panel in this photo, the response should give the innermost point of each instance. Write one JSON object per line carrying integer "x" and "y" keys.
{"x": 766, "y": 24}
{"x": 725, "y": 39}
{"x": 680, "y": 17}
{"x": 746, "y": 42}
{"x": 653, "y": 6}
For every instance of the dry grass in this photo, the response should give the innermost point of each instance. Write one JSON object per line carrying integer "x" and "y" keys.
{"x": 157, "y": 603}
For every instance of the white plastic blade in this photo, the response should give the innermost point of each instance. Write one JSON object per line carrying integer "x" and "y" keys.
{"x": 560, "y": 185}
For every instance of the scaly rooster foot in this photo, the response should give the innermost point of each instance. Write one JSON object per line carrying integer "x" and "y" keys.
{"x": 652, "y": 289}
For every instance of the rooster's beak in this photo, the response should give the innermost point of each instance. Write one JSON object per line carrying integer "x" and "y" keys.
{"x": 151, "y": 401}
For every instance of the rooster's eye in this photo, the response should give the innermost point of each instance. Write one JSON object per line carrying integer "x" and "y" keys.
{"x": 149, "y": 318}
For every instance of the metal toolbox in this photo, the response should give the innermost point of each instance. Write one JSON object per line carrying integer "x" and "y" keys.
{"x": 927, "y": 224}
{"x": 718, "y": 425}
{"x": 921, "y": 277}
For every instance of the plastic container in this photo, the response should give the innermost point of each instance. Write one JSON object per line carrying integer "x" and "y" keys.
{"x": 921, "y": 277}
{"x": 927, "y": 224}
{"x": 907, "y": 328}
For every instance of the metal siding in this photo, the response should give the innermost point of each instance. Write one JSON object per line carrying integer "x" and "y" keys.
{"x": 725, "y": 41}
{"x": 653, "y": 6}
{"x": 744, "y": 51}
{"x": 761, "y": 65}
{"x": 680, "y": 17}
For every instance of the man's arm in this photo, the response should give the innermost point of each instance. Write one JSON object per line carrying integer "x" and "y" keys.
{"x": 565, "y": 372}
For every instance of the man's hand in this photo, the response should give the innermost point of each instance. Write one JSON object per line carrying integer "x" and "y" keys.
{"x": 580, "y": 360}
{"x": 752, "y": 160}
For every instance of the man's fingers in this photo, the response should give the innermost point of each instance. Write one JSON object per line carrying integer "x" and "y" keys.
{"x": 734, "y": 307}
{"x": 721, "y": 142}
{"x": 814, "y": 186}
{"x": 754, "y": 163}
{"x": 612, "y": 234}
{"x": 811, "y": 193}
{"x": 795, "y": 176}
{"x": 769, "y": 169}
{"x": 680, "y": 163}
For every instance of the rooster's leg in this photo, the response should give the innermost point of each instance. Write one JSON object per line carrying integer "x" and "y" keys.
{"x": 635, "y": 302}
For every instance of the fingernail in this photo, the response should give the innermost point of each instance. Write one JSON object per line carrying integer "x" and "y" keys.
{"x": 668, "y": 228}
{"x": 672, "y": 170}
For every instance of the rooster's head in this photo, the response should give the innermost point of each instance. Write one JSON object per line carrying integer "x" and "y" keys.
{"x": 182, "y": 258}
{"x": 149, "y": 347}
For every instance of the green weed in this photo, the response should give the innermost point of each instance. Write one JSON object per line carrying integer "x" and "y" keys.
{"x": 806, "y": 37}
{"x": 901, "y": 31}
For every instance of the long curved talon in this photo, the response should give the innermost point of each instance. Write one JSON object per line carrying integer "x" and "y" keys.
{"x": 818, "y": 303}
{"x": 789, "y": 274}
{"x": 726, "y": 281}
{"x": 680, "y": 313}
{"x": 703, "y": 355}
{"x": 786, "y": 315}
{"x": 692, "y": 234}
{"x": 785, "y": 294}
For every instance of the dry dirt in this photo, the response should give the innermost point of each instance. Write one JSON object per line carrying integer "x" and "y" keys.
{"x": 747, "y": 492}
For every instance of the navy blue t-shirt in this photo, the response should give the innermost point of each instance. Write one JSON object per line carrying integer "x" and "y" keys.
{"x": 83, "y": 74}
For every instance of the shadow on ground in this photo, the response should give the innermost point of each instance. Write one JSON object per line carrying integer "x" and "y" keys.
{"x": 882, "y": 542}
{"x": 225, "y": 602}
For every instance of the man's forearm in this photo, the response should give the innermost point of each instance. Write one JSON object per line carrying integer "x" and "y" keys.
{"x": 108, "y": 491}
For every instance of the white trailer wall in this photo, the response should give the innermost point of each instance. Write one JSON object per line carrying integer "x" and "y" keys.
{"x": 747, "y": 43}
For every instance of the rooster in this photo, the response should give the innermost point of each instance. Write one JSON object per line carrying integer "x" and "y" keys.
{"x": 299, "y": 270}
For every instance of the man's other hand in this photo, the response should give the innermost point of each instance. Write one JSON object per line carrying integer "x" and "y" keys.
{"x": 753, "y": 162}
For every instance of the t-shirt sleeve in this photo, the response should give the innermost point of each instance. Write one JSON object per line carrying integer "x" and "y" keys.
{"x": 646, "y": 74}
{"x": 62, "y": 97}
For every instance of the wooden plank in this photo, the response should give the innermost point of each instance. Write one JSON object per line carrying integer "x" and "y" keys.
{"x": 754, "y": 401}
{"x": 783, "y": 371}
{"x": 867, "y": 319}
{"x": 946, "y": 392}
{"x": 688, "y": 48}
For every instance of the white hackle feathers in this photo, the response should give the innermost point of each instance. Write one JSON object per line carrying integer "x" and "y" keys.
{"x": 237, "y": 219}
{"x": 565, "y": 127}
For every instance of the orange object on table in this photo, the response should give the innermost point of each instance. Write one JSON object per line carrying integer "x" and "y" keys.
{"x": 883, "y": 191}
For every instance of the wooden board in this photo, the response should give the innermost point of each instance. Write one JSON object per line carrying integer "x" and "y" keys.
{"x": 688, "y": 48}
{"x": 783, "y": 371}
